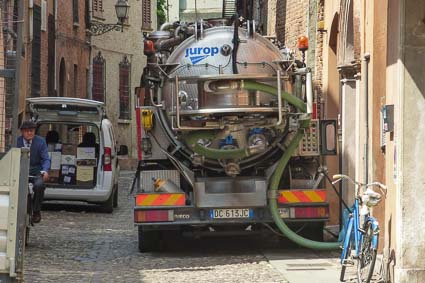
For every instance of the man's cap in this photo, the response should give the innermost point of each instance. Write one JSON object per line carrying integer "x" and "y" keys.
{"x": 28, "y": 125}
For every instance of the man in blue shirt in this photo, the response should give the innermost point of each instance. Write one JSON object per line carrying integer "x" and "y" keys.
{"x": 39, "y": 163}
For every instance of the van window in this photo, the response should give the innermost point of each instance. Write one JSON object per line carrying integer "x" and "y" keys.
{"x": 67, "y": 133}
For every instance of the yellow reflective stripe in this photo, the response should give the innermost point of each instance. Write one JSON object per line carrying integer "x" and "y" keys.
{"x": 313, "y": 196}
{"x": 290, "y": 197}
{"x": 148, "y": 200}
{"x": 172, "y": 200}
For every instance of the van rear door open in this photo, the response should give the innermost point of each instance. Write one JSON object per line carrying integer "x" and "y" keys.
{"x": 62, "y": 108}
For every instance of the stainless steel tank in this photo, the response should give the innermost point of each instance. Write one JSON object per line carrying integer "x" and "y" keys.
{"x": 201, "y": 91}
{"x": 209, "y": 55}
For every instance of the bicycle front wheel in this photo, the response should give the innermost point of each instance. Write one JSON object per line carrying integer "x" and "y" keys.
{"x": 368, "y": 251}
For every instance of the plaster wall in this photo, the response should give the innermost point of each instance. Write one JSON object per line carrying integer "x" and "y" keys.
{"x": 114, "y": 46}
{"x": 410, "y": 246}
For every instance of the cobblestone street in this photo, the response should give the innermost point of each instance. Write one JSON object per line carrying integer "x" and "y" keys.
{"x": 78, "y": 243}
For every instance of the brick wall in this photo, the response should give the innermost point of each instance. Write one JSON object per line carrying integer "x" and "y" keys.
{"x": 73, "y": 47}
{"x": 291, "y": 21}
{"x": 318, "y": 71}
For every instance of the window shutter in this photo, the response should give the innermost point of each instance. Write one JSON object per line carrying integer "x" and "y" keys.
{"x": 124, "y": 89}
{"x": 146, "y": 15}
{"x": 75, "y": 15}
{"x": 97, "y": 7}
{"x": 98, "y": 88}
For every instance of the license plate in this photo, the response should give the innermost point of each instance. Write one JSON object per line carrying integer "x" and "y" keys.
{"x": 231, "y": 213}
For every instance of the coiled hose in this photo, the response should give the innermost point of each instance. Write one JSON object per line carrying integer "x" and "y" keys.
{"x": 192, "y": 140}
{"x": 274, "y": 186}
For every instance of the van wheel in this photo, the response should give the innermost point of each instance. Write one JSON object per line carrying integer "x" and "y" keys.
{"x": 115, "y": 204}
{"x": 149, "y": 241}
{"x": 108, "y": 206}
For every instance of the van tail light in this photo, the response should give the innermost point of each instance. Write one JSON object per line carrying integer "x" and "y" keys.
{"x": 107, "y": 165}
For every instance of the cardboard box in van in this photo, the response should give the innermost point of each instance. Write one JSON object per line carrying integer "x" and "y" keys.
{"x": 86, "y": 153}
{"x": 87, "y": 162}
{"x": 68, "y": 159}
{"x": 69, "y": 149}
{"x": 85, "y": 175}
{"x": 68, "y": 175}
{"x": 55, "y": 160}
{"x": 54, "y": 176}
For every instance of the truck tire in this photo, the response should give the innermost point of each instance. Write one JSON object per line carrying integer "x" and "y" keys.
{"x": 149, "y": 241}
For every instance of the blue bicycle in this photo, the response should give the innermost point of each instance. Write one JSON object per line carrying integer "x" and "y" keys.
{"x": 362, "y": 231}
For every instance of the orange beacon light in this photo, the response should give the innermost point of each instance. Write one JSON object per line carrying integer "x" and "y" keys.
{"x": 302, "y": 43}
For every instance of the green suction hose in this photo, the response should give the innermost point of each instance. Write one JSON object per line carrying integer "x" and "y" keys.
{"x": 192, "y": 141}
{"x": 193, "y": 137}
{"x": 251, "y": 85}
{"x": 274, "y": 184}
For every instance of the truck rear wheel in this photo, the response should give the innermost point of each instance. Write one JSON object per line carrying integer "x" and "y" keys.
{"x": 149, "y": 240}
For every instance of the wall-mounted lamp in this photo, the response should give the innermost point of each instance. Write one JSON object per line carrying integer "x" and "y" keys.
{"x": 121, "y": 9}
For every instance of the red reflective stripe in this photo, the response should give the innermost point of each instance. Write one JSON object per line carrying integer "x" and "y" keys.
{"x": 322, "y": 194}
{"x": 160, "y": 199}
{"x": 281, "y": 198}
{"x": 301, "y": 196}
{"x": 181, "y": 200}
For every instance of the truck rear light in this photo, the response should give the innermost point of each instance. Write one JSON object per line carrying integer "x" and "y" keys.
{"x": 107, "y": 165}
{"x": 153, "y": 216}
{"x": 310, "y": 212}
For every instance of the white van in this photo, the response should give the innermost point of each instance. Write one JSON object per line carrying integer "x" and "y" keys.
{"x": 82, "y": 149}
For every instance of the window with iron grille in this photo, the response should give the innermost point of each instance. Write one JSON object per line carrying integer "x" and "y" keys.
{"x": 146, "y": 15}
{"x": 97, "y": 6}
{"x": 98, "y": 86}
{"x": 75, "y": 17}
{"x": 124, "y": 88}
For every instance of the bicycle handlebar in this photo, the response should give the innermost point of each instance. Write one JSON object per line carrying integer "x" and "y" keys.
{"x": 340, "y": 177}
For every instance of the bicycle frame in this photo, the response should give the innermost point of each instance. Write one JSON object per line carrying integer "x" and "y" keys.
{"x": 353, "y": 227}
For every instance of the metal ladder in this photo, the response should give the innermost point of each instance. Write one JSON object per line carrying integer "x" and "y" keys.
{"x": 229, "y": 8}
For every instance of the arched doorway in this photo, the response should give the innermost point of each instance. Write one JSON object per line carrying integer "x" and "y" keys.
{"x": 62, "y": 78}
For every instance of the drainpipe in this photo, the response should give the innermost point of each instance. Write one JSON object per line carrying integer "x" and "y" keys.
{"x": 18, "y": 56}
{"x": 366, "y": 59}
{"x": 357, "y": 162}
{"x": 90, "y": 78}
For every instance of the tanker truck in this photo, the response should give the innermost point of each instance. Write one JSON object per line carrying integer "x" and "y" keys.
{"x": 230, "y": 138}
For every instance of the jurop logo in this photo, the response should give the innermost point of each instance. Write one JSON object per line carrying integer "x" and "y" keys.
{"x": 197, "y": 54}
